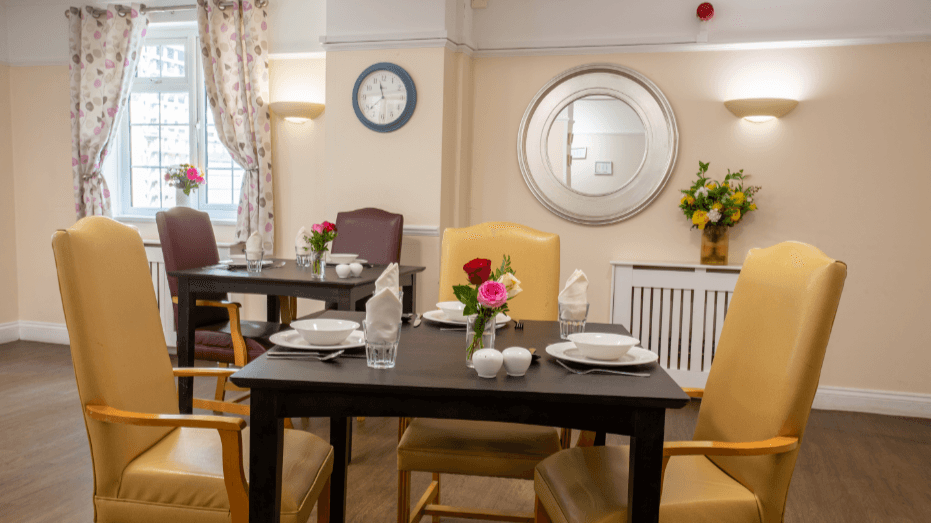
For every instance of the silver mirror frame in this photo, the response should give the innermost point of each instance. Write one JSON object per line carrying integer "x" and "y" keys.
{"x": 662, "y": 143}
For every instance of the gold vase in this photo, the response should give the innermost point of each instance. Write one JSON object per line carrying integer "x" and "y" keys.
{"x": 714, "y": 245}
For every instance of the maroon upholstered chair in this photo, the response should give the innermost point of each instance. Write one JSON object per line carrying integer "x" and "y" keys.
{"x": 188, "y": 242}
{"x": 373, "y": 234}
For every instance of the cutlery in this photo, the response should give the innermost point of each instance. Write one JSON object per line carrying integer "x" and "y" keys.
{"x": 416, "y": 321}
{"x": 309, "y": 355}
{"x": 518, "y": 324}
{"x": 606, "y": 371}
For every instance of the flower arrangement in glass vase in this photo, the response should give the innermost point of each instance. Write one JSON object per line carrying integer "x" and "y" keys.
{"x": 714, "y": 206}
{"x": 321, "y": 234}
{"x": 485, "y": 297}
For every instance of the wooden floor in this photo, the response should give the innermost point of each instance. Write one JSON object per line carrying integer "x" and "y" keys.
{"x": 852, "y": 467}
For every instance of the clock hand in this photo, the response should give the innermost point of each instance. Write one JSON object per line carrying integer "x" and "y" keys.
{"x": 375, "y": 102}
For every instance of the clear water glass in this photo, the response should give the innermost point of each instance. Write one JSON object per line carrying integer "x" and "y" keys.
{"x": 301, "y": 257}
{"x": 572, "y": 318}
{"x": 254, "y": 261}
{"x": 380, "y": 354}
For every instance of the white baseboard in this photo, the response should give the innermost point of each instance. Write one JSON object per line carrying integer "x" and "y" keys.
{"x": 44, "y": 332}
{"x": 873, "y": 401}
{"x": 9, "y": 331}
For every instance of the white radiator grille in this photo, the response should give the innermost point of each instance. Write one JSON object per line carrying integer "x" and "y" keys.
{"x": 676, "y": 312}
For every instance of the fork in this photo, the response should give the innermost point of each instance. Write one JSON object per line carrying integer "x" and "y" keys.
{"x": 328, "y": 357}
{"x": 518, "y": 324}
{"x": 606, "y": 371}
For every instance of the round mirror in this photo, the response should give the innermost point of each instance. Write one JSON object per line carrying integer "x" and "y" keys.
{"x": 597, "y": 143}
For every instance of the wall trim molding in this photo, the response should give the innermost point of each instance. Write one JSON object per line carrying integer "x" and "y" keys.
{"x": 873, "y": 401}
{"x": 44, "y": 332}
{"x": 421, "y": 230}
{"x": 37, "y": 63}
{"x": 9, "y": 331}
{"x": 316, "y": 55}
{"x": 365, "y": 42}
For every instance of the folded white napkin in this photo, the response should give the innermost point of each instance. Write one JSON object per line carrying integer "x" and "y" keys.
{"x": 574, "y": 297}
{"x": 388, "y": 279}
{"x": 254, "y": 243}
{"x": 383, "y": 316}
{"x": 300, "y": 244}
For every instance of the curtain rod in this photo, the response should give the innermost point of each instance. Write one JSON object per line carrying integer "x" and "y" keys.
{"x": 123, "y": 11}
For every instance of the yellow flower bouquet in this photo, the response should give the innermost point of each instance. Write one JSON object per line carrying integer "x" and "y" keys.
{"x": 709, "y": 202}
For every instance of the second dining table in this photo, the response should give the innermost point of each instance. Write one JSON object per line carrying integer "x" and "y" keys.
{"x": 431, "y": 379}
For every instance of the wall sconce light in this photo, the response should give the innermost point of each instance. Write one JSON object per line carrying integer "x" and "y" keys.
{"x": 760, "y": 109}
{"x": 297, "y": 112}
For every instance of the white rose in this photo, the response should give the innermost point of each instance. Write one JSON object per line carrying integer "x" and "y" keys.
{"x": 511, "y": 283}
{"x": 714, "y": 215}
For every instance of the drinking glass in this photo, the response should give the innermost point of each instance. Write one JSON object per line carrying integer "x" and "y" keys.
{"x": 301, "y": 257}
{"x": 572, "y": 318}
{"x": 254, "y": 261}
{"x": 379, "y": 353}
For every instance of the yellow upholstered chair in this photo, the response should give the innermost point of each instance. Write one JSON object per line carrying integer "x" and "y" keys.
{"x": 754, "y": 409}
{"x": 479, "y": 448}
{"x": 534, "y": 257}
{"x": 152, "y": 464}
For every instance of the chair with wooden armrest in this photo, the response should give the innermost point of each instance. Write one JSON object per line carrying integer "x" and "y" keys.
{"x": 220, "y": 335}
{"x": 478, "y": 448}
{"x": 150, "y": 463}
{"x": 753, "y": 414}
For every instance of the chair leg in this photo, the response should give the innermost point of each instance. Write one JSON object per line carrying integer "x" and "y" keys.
{"x": 436, "y": 499}
{"x": 539, "y": 513}
{"x": 323, "y": 504}
{"x": 404, "y": 496}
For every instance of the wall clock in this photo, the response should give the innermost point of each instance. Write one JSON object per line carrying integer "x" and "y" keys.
{"x": 384, "y": 97}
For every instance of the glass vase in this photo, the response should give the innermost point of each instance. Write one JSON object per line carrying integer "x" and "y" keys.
{"x": 318, "y": 264}
{"x": 480, "y": 334}
{"x": 714, "y": 245}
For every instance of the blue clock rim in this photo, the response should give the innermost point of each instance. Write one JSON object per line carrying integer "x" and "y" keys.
{"x": 411, "y": 97}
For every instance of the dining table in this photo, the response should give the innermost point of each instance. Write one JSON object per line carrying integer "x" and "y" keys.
{"x": 431, "y": 379}
{"x": 279, "y": 278}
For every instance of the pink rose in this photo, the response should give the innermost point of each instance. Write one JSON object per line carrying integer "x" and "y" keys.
{"x": 318, "y": 228}
{"x": 492, "y": 294}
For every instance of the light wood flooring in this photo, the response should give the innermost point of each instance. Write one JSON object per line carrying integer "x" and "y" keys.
{"x": 852, "y": 467}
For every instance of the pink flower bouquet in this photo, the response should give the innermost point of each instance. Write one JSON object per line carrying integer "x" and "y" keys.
{"x": 321, "y": 234}
{"x": 185, "y": 177}
{"x": 487, "y": 295}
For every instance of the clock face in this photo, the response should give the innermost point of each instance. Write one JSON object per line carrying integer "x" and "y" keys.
{"x": 384, "y": 97}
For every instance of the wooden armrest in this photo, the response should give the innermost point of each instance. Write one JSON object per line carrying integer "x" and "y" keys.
{"x": 212, "y": 303}
{"x": 230, "y": 429}
{"x": 240, "y": 352}
{"x": 112, "y": 415}
{"x": 775, "y": 445}
{"x": 693, "y": 393}
{"x": 204, "y": 372}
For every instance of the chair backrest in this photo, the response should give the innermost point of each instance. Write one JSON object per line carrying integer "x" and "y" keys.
{"x": 768, "y": 362}
{"x": 375, "y": 235}
{"x": 534, "y": 257}
{"x": 117, "y": 345}
{"x": 188, "y": 242}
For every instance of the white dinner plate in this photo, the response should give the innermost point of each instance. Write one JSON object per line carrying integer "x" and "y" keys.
{"x": 440, "y": 317}
{"x": 292, "y": 339}
{"x": 357, "y": 260}
{"x": 241, "y": 262}
{"x": 569, "y": 352}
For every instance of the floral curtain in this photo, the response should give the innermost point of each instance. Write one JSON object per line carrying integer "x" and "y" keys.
{"x": 104, "y": 54}
{"x": 235, "y": 52}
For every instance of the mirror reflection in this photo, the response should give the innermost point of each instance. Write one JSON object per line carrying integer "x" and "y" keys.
{"x": 596, "y": 145}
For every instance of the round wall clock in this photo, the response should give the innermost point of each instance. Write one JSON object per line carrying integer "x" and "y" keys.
{"x": 384, "y": 97}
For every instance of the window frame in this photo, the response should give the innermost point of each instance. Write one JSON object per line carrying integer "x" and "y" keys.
{"x": 191, "y": 83}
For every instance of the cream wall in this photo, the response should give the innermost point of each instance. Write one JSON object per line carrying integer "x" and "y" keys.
{"x": 847, "y": 171}
{"x": 9, "y": 306}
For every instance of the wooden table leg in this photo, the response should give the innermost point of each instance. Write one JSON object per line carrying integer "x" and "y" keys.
{"x": 185, "y": 345}
{"x": 273, "y": 309}
{"x": 601, "y": 438}
{"x": 265, "y": 451}
{"x": 339, "y": 438}
{"x": 644, "y": 485}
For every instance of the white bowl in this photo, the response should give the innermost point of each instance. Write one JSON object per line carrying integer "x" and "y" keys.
{"x": 602, "y": 345}
{"x": 342, "y": 258}
{"x": 323, "y": 331}
{"x": 487, "y": 362}
{"x": 452, "y": 309}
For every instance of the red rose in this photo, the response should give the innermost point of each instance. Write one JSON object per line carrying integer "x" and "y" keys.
{"x": 478, "y": 270}
{"x": 329, "y": 227}
{"x": 705, "y": 12}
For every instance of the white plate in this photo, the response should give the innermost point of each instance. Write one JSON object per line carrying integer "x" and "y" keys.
{"x": 440, "y": 317}
{"x": 241, "y": 262}
{"x": 292, "y": 339}
{"x": 569, "y": 352}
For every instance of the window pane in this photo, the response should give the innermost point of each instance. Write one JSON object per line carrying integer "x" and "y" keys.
{"x": 172, "y": 60}
{"x": 144, "y": 145}
{"x": 149, "y": 64}
{"x": 176, "y": 145}
{"x": 143, "y": 108}
{"x": 146, "y": 187}
{"x": 175, "y": 108}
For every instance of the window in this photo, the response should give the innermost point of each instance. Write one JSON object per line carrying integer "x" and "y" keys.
{"x": 169, "y": 122}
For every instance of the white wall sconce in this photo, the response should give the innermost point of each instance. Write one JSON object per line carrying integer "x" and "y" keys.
{"x": 297, "y": 112}
{"x": 760, "y": 109}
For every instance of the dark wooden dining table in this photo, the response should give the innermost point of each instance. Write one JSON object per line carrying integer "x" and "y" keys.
{"x": 284, "y": 278}
{"x": 431, "y": 379}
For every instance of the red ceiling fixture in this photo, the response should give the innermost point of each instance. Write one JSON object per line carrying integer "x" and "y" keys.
{"x": 705, "y": 12}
